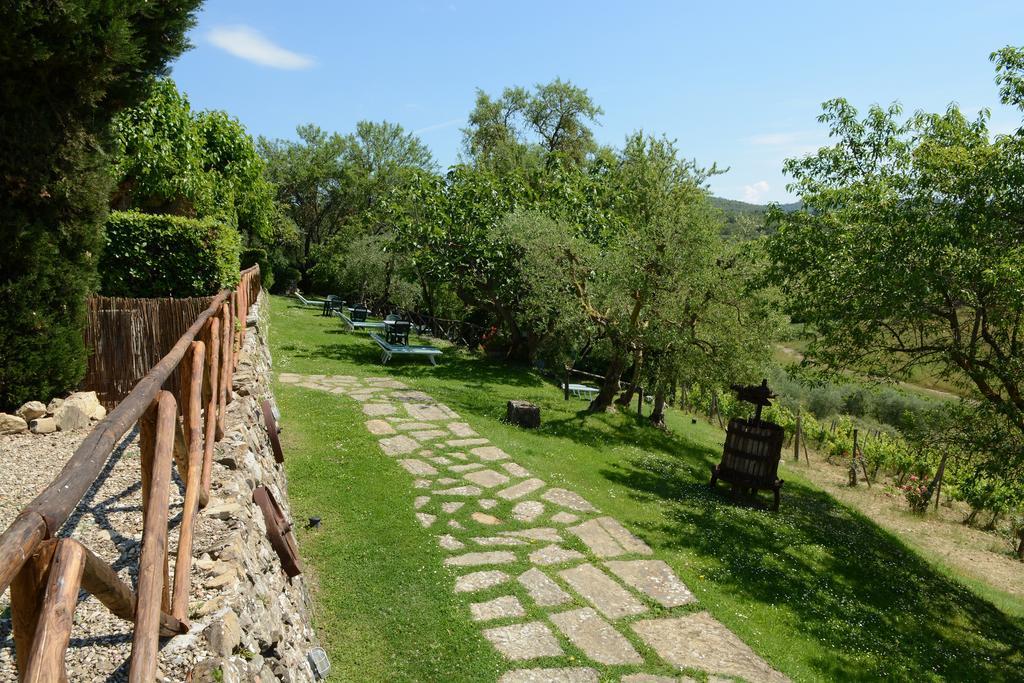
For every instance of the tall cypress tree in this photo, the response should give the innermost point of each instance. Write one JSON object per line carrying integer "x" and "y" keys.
{"x": 66, "y": 67}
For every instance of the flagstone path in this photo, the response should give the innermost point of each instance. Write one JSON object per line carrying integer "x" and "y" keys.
{"x": 591, "y": 583}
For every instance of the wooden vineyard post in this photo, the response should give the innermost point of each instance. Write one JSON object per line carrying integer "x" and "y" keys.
{"x": 56, "y": 614}
{"x": 853, "y": 460}
{"x": 566, "y": 387}
{"x": 27, "y": 602}
{"x": 212, "y": 373}
{"x": 152, "y": 583}
{"x": 796, "y": 438}
{"x": 192, "y": 397}
{"x": 640, "y": 402}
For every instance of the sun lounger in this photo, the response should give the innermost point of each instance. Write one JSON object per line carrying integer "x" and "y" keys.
{"x": 582, "y": 390}
{"x": 389, "y": 350}
{"x": 308, "y": 302}
{"x": 354, "y": 325}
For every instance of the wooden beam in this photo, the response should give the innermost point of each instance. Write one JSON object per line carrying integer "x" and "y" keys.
{"x": 193, "y": 484}
{"x": 212, "y": 402}
{"x": 27, "y": 591}
{"x": 56, "y": 615}
{"x": 152, "y": 581}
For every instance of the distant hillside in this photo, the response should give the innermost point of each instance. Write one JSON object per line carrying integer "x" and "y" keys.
{"x": 744, "y": 221}
{"x": 735, "y": 206}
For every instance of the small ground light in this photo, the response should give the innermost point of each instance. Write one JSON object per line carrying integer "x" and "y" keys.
{"x": 318, "y": 662}
{"x": 314, "y": 522}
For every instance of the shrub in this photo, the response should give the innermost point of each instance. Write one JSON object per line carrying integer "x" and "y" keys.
{"x": 152, "y": 255}
{"x": 68, "y": 67}
{"x": 256, "y": 256}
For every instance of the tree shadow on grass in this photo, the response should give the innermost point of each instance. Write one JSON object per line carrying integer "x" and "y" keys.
{"x": 878, "y": 608}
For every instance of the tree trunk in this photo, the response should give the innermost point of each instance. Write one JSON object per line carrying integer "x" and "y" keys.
{"x": 627, "y": 395}
{"x": 936, "y": 484}
{"x": 610, "y": 386}
{"x": 1020, "y": 547}
{"x": 658, "y": 415}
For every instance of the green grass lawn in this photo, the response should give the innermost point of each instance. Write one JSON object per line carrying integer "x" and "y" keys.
{"x": 818, "y": 590}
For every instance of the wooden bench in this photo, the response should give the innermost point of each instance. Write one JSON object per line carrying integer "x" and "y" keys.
{"x": 390, "y": 350}
{"x": 354, "y": 325}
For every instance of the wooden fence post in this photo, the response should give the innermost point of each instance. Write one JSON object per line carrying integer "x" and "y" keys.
{"x": 796, "y": 437}
{"x": 566, "y": 387}
{"x": 193, "y": 391}
{"x": 56, "y": 614}
{"x": 853, "y": 460}
{"x": 212, "y": 401}
{"x": 153, "y": 587}
{"x": 640, "y": 402}
{"x": 27, "y": 602}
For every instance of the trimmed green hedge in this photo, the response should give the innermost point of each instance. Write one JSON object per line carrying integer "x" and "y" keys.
{"x": 153, "y": 255}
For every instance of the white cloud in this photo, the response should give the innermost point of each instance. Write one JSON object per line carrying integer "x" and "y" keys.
{"x": 437, "y": 126}
{"x": 251, "y": 45}
{"x": 756, "y": 192}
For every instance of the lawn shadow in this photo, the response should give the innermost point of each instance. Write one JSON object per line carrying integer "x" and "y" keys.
{"x": 879, "y": 608}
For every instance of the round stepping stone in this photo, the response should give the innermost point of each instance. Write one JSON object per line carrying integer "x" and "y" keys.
{"x": 417, "y": 467}
{"x": 420, "y": 502}
{"x": 489, "y": 453}
{"x": 379, "y": 427}
{"x": 451, "y": 507}
{"x": 486, "y": 478}
{"x": 484, "y": 518}
{"x": 449, "y": 542}
{"x": 554, "y": 554}
{"x": 524, "y": 641}
{"x": 523, "y": 488}
{"x": 528, "y": 510}
{"x": 487, "y": 503}
{"x": 398, "y": 445}
{"x": 655, "y": 579}
{"x": 476, "y": 559}
{"x": 575, "y": 674}
{"x": 505, "y": 607}
{"x": 564, "y": 517}
{"x": 698, "y": 641}
{"x": 543, "y": 590}
{"x": 602, "y": 592}
{"x": 568, "y": 499}
{"x": 425, "y": 519}
{"x": 478, "y": 581}
{"x": 596, "y": 637}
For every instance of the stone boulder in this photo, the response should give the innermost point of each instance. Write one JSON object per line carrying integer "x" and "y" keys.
{"x": 30, "y": 410}
{"x": 43, "y": 425}
{"x": 70, "y": 416}
{"x": 52, "y": 406}
{"x": 86, "y": 400}
{"x": 12, "y": 424}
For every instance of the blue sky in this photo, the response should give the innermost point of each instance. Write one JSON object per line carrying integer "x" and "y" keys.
{"x": 738, "y": 83}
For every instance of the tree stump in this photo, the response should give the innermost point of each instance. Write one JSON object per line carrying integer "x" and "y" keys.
{"x": 524, "y": 414}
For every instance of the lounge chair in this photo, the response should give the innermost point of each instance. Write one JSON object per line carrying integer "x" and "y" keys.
{"x": 388, "y": 350}
{"x": 308, "y": 302}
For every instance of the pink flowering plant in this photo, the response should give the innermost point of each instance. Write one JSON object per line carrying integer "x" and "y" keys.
{"x": 917, "y": 494}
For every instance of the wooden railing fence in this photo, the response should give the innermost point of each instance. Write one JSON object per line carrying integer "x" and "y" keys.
{"x": 45, "y": 573}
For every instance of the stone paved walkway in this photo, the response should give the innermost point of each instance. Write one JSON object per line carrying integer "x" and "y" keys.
{"x": 591, "y": 583}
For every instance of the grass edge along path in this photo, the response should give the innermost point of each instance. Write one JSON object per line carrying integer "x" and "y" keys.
{"x": 818, "y": 590}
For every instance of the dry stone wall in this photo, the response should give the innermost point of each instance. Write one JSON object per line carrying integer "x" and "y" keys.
{"x": 249, "y": 621}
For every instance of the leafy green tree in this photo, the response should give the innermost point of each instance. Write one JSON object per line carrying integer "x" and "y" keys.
{"x": 65, "y": 70}
{"x": 909, "y": 251}
{"x": 553, "y": 120}
{"x": 172, "y": 160}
